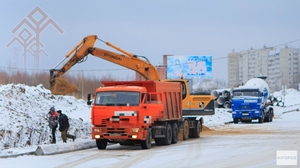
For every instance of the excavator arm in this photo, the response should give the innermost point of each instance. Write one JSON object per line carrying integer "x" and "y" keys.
{"x": 59, "y": 86}
{"x": 147, "y": 70}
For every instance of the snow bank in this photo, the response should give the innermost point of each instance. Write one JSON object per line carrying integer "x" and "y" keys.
{"x": 221, "y": 117}
{"x": 23, "y": 111}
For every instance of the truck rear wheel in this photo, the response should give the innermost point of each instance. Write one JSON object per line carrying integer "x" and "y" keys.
{"x": 146, "y": 144}
{"x": 168, "y": 139}
{"x": 175, "y": 133}
{"x": 267, "y": 119}
{"x": 272, "y": 115}
{"x": 186, "y": 130}
{"x": 101, "y": 143}
{"x": 197, "y": 130}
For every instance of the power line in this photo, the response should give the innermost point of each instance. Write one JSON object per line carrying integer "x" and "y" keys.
{"x": 94, "y": 70}
{"x": 286, "y": 43}
{"x": 272, "y": 48}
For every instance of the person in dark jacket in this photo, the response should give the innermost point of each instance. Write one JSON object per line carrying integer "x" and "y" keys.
{"x": 64, "y": 126}
{"x": 53, "y": 123}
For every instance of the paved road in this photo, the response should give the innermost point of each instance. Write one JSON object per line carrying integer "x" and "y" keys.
{"x": 233, "y": 145}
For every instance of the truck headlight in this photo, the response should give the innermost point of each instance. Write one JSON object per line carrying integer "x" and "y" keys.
{"x": 96, "y": 130}
{"x": 256, "y": 111}
{"x": 135, "y": 129}
{"x": 134, "y": 136}
{"x": 97, "y": 136}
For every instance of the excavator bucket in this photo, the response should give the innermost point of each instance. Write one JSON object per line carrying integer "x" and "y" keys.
{"x": 62, "y": 87}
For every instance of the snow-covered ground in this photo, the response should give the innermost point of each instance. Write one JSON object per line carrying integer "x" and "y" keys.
{"x": 24, "y": 126}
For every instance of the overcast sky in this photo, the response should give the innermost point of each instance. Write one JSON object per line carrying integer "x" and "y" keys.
{"x": 149, "y": 28}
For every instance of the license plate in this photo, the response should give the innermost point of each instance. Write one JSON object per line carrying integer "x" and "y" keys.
{"x": 115, "y": 134}
{"x": 245, "y": 114}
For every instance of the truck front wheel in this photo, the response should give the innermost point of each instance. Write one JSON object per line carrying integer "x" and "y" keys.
{"x": 167, "y": 140}
{"x": 235, "y": 120}
{"x": 146, "y": 144}
{"x": 261, "y": 120}
{"x": 101, "y": 143}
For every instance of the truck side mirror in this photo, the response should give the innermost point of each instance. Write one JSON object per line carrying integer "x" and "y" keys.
{"x": 89, "y": 101}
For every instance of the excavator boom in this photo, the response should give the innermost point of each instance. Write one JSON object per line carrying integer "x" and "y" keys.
{"x": 59, "y": 86}
{"x": 147, "y": 70}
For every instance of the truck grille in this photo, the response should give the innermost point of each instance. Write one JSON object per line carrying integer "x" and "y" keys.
{"x": 115, "y": 130}
{"x": 244, "y": 107}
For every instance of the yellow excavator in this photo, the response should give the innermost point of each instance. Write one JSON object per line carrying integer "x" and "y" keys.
{"x": 58, "y": 84}
{"x": 192, "y": 104}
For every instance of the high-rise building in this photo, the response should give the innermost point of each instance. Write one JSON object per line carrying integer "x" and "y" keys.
{"x": 233, "y": 69}
{"x": 280, "y": 66}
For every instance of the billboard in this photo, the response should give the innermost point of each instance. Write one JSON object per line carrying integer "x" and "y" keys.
{"x": 189, "y": 67}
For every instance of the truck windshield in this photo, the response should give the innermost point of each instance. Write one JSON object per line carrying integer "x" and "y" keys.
{"x": 252, "y": 93}
{"x": 117, "y": 98}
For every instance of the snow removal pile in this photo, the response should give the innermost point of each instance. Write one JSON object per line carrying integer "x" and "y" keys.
{"x": 23, "y": 111}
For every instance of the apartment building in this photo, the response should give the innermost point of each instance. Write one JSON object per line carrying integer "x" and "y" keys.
{"x": 280, "y": 66}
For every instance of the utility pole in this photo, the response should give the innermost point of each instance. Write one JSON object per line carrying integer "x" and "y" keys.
{"x": 283, "y": 92}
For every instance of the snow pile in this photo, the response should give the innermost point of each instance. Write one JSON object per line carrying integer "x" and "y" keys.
{"x": 23, "y": 111}
{"x": 219, "y": 119}
{"x": 291, "y": 97}
{"x": 291, "y": 101}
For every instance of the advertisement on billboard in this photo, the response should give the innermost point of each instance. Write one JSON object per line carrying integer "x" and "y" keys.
{"x": 189, "y": 67}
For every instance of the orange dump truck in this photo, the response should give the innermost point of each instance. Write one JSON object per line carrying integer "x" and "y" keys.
{"x": 136, "y": 112}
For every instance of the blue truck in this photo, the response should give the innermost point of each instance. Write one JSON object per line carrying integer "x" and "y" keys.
{"x": 250, "y": 102}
